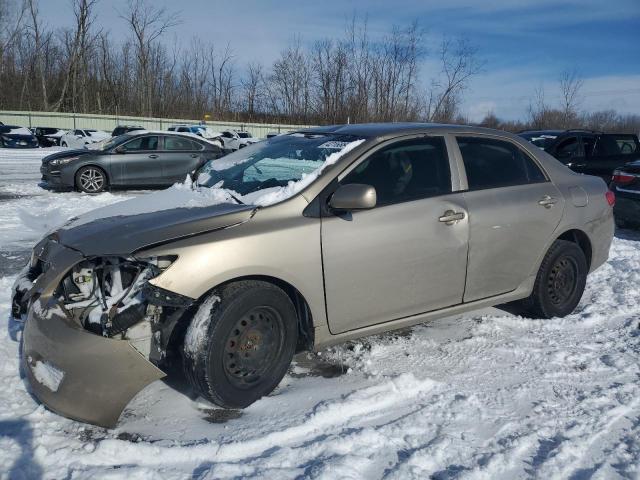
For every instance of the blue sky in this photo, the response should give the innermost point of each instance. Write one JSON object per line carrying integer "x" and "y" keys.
{"x": 525, "y": 44}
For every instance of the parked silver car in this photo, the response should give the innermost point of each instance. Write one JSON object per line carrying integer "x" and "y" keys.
{"x": 299, "y": 242}
{"x": 135, "y": 159}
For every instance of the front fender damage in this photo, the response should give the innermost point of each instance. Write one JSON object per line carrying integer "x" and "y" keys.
{"x": 99, "y": 376}
{"x": 95, "y": 332}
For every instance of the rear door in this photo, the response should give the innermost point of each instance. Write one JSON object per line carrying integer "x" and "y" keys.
{"x": 180, "y": 156}
{"x": 139, "y": 162}
{"x": 400, "y": 258}
{"x": 513, "y": 211}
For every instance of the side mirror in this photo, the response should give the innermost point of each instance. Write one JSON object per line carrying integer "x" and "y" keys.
{"x": 119, "y": 149}
{"x": 353, "y": 196}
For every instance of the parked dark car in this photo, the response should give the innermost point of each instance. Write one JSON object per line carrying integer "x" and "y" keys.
{"x": 541, "y": 138}
{"x": 122, "y": 129}
{"x": 48, "y": 136}
{"x": 595, "y": 153}
{"x": 135, "y": 159}
{"x": 625, "y": 183}
{"x": 12, "y": 136}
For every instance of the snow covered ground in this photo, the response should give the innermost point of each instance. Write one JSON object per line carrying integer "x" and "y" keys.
{"x": 486, "y": 395}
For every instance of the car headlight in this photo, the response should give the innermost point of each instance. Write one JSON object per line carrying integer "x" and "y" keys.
{"x": 63, "y": 161}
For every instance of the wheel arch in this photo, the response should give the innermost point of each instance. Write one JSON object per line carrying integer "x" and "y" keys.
{"x": 306, "y": 331}
{"x": 581, "y": 239}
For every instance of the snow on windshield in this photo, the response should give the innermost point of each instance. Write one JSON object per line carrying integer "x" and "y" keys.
{"x": 188, "y": 195}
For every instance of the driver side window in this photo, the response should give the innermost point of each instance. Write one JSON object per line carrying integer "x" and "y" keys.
{"x": 141, "y": 144}
{"x": 406, "y": 171}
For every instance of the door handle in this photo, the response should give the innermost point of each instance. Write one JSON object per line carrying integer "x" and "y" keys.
{"x": 547, "y": 201}
{"x": 194, "y": 155}
{"x": 450, "y": 217}
{"x": 153, "y": 155}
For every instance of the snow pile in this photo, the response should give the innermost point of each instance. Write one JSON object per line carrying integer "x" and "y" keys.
{"x": 199, "y": 327}
{"x": 45, "y": 373}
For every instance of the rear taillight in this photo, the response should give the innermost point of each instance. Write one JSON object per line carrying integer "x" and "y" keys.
{"x": 611, "y": 198}
{"x": 622, "y": 178}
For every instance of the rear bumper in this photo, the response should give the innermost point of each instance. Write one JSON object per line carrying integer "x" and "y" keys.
{"x": 627, "y": 210}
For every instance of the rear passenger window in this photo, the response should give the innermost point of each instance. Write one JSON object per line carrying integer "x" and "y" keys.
{"x": 406, "y": 171}
{"x": 177, "y": 143}
{"x": 493, "y": 163}
{"x": 615, "y": 145}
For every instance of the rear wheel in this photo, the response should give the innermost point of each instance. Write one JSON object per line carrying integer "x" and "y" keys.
{"x": 91, "y": 179}
{"x": 559, "y": 284}
{"x": 239, "y": 347}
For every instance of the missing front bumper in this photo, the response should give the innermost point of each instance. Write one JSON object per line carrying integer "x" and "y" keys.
{"x": 100, "y": 375}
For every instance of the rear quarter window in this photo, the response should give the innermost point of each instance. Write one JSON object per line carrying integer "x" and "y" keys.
{"x": 616, "y": 145}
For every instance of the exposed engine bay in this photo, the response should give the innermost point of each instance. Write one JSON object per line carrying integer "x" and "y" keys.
{"x": 111, "y": 297}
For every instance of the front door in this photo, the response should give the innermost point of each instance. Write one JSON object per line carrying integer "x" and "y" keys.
{"x": 402, "y": 257}
{"x": 513, "y": 212}
{"x": 139, "y": 162}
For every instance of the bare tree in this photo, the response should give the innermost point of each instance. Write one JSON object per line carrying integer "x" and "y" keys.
{"x": 459, "y": 62}
{"x": 570, "y": 86}
{"x": 252, "y": 86}
{"x": 147, "y": 23}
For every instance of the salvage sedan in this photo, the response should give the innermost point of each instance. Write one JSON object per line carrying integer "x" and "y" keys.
{"x": 136, "y": 159}
{"x": 298, "y": 242}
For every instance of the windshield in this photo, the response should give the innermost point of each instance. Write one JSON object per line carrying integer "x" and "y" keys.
{"x": 115, "y": 141}
{"x": 268, "y": 168}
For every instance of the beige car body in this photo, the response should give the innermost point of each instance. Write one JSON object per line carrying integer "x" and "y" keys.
{"x": 280, "y": 243}
{"x": 351, "y": 275}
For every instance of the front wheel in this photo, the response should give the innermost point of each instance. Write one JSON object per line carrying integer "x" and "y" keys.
{"x": 560, "y": 282}
{"x": 240, "y": 343}
{"x": 91, "y": 179}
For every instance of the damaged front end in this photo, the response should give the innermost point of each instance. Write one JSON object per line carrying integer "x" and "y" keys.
{"x": 96, "y": 330}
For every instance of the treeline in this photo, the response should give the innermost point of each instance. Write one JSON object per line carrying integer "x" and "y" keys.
{"x": 82, "y": 68}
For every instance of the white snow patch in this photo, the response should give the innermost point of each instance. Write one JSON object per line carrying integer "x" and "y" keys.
{"x": 196, "y": 335}
{"x": 46, "y": 374}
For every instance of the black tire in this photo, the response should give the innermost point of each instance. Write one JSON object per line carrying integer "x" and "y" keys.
{"x": 250, "y": 340}
{"x": 91, "y": 179}
{"x": 559, "y": 284}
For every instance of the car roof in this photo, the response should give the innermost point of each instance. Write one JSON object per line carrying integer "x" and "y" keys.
{"x": 370, "y": 130}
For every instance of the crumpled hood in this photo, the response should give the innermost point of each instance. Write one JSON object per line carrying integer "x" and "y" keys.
{"x": 125, "y": 234}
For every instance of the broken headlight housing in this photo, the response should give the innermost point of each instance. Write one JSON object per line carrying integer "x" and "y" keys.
{"x": 106, "y": 295}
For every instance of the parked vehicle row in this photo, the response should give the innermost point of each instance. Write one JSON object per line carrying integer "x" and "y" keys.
{"x": 392, "y": 225}
{"x": 230, "y": 140}
{"x": 20, "y": 137}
